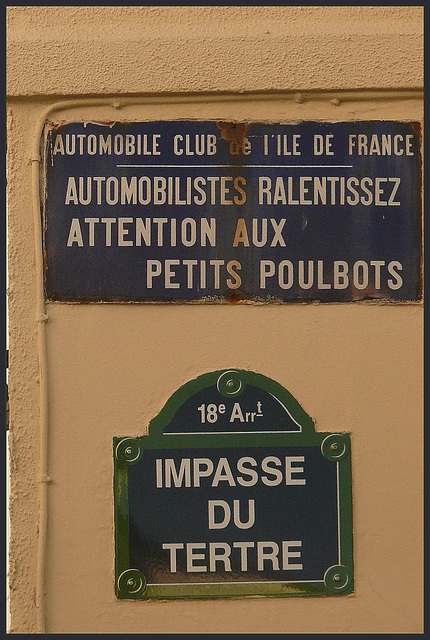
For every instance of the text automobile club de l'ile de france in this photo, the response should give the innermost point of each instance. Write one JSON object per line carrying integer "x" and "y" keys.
{"x": 297, "y": 193}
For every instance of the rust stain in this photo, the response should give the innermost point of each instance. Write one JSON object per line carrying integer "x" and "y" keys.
{"x": 55, "y": 125}
{"x": 234, "y": 296}
{"x": 232, "y": 131}
{"x": 417, "y": 129}
{"x": 55, "y": 296}
{"x": 416, "y": 126}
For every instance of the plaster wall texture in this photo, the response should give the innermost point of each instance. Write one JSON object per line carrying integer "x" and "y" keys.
{"x": 99, "y": 50}
{"x": 111, "y": 367}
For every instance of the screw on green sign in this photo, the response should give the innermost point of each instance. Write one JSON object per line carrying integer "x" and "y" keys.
{"x": 232, "y": 493}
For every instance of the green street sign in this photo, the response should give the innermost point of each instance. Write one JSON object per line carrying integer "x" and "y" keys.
{"x": 232, "y": 493}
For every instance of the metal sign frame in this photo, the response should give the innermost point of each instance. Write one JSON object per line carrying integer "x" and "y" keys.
{"x": 130, "y": 583}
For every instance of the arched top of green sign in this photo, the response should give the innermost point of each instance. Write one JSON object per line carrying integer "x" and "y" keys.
{"x": 231, "y": 402}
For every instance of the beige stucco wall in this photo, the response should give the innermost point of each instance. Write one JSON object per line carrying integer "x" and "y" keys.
{"x": 356, "y": 368}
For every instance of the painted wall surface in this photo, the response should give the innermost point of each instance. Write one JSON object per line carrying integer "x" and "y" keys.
{"x": 111, "y": 367}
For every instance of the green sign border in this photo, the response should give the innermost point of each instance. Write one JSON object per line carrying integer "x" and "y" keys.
{"x": 131, "y": 584}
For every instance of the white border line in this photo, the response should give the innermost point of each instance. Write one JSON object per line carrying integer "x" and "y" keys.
{"x": 192, "y": 584}
{"x": 285, "y": 408}
{"x": 218, "y": 433}
{"x": 338, "y": 512}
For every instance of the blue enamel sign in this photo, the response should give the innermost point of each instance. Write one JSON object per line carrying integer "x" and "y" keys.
{"x": 233, "y": 493}
{"x": 218, "y": 211}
